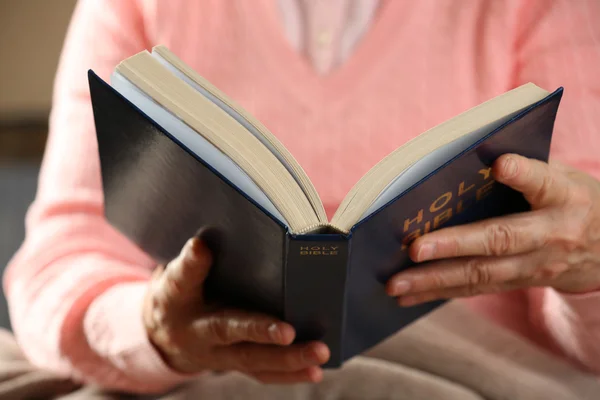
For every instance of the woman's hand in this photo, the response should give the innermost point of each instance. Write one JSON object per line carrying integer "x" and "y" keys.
{"x": 192, "y": 337}
{"x": 556, "y": 244}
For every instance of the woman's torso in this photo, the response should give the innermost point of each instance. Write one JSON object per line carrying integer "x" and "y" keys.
{"x": 418, "y": 64}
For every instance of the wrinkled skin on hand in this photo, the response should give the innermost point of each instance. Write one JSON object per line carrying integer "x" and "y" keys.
{"x": 193, "y": 337}
{"x": 556, "y": 244}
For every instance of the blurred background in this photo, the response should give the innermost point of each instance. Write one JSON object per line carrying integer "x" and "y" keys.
{"x": 27, "y": 67}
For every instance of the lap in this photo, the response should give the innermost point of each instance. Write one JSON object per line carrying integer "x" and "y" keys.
{"x": 451, "y": 354}
{"x": 360, "y": 378}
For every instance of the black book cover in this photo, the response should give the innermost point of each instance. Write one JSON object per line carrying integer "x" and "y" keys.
{"x": 329, "y": 285}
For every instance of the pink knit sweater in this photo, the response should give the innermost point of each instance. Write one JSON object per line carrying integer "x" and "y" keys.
{"x": 75, "y": 286}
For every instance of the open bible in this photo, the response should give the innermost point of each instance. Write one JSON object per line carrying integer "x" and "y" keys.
{"x": 177, "y": 155}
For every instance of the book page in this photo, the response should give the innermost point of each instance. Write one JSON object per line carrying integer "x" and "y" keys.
{"x": 234, "y": 114}
{"x": 367, "y": 191}
{"x": 176, "y": 66}
{"x": 195, "y": 142}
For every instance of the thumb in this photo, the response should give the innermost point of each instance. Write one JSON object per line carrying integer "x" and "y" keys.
{"x": 541, "y": 184}
{"x": 184, "y": 276}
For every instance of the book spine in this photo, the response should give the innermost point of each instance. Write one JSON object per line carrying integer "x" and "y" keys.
{"x": 315, "y": 290}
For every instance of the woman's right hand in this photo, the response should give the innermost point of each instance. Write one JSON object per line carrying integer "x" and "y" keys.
{"x": 192, "y": 338}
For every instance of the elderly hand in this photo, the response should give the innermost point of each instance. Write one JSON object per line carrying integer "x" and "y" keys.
{"x": 556, "y": 244}
{"x": 193, "y": 337}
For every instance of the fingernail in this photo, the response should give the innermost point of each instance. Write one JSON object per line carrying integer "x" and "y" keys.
{"x": 195, "y": 248}
{"x": 400, "y": 287}
{"x": 189, "y": 251}
{"x": 510, "y": 167}
{"x": 315, "y": 358}
{"x": 323, "y": 352}
{"x": 315, "y": 374}
{"x": 316, "y": 354}
{"x": 426, "y": 251}
{"x": 275, "y": 333}
{"x": 311, "y": 356}
{"x": 198, "y": 252}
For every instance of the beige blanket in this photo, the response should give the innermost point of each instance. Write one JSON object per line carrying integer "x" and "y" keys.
{"x": 452, "y": 354}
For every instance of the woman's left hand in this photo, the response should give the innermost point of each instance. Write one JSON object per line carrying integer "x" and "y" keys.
{"x": 556, "y": 244}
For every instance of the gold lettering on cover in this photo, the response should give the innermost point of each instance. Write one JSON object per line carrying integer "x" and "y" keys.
{"x": 462, "y": 190}
{"x": 446, "y": 197}
{"x": 409, "y": 238}
{"x": 319, "y": 250}
{"x": 446, "y": 205}
{"x": 460, "y": 207}
{"x": 483, "y": 191}
{"x": 418, "y": 219}
{"x": 427, "y": 227}
{"x": 441, "y": 218}
{"x": 485, "y": 172}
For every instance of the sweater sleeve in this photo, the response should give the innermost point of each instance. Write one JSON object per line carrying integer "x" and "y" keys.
{"x": 75, "y": 286}
{"x": 558, "y": 44}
